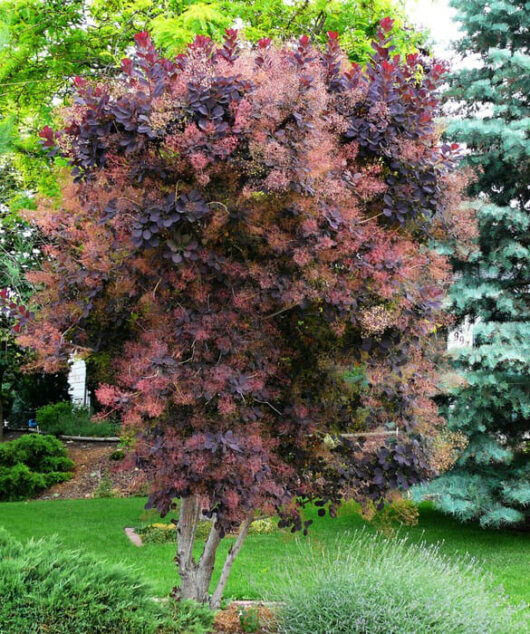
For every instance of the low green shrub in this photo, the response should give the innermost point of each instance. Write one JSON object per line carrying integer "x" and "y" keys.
{"x": 190, "y": 617}
{"x": 158, "y": 533}
{"x": 249, "y": 620}
{"x": 263, "y": 526}
{"x": 117, "y": 455}
{"x": 49, "y": 416}
{"x": 378, "y": 586}
{"x": 45, "y": 589}
{"x": 65, "y": 419}
{"x": 105, "y": 488}
{"x": 165, "y": 533}
{"x": 30, "y": 464}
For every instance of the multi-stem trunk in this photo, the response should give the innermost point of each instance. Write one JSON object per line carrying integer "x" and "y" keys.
{"x": 196, "y": 574}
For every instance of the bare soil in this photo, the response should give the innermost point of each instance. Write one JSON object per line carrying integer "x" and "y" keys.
{"x": 93, "y": 464}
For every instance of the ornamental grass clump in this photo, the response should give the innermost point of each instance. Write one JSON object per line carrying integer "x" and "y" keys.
{"x": 378, "y": 586}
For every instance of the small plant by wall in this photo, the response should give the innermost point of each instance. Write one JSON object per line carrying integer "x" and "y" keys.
{"x": 65, "y": 419}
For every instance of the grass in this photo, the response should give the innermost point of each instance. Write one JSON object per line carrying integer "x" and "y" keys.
{"x": 96, "y": 526}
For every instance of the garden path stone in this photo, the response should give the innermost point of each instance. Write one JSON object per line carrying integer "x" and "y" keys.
{"x": 134, "y": 537}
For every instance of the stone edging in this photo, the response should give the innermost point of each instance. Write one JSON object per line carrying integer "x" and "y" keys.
{"x": 91, "y": 438}
{"x": 133, "y": 536}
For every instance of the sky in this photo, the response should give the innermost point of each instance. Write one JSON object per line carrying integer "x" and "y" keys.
{"x": 439, "y": 18}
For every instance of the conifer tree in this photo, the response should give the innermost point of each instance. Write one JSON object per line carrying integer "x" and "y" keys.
{"x": 491, "y": 480}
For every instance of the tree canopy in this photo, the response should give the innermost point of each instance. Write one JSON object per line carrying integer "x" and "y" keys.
{"x": 44, "y": 44}
{"x": 246, "y": 236}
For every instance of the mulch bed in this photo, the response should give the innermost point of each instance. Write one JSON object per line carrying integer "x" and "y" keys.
{"x": 93, "y": 463}
{"x": 229, "y": 621}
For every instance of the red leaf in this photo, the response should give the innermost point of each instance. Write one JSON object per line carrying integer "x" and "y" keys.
{"x": 142, "y": 39}
{"x": 47, "y": 134}
{"x": 387, "y": 24}
{"x": 127, "y": 66}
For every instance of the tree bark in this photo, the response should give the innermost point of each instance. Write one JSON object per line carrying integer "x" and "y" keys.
{"x": 217, "y": 595}
{"x": 196, "y": 576}
{"x": 186, "y": 529}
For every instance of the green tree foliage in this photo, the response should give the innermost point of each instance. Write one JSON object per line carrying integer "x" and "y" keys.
{"x": 491, "y": 480}
{"x": 17, "y": 255}
{"x": 20, "y": 251}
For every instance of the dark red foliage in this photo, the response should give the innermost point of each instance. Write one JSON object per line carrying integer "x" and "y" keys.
{"x": 16, "y": 313}
{"x": 248, "y": 240}
{"x": 387, "y": 24}
{"x": 48, "y": 135}
{"x": 229, "y": 52}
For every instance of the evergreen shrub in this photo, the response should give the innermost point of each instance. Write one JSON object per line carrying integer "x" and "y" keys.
{"x": 44, "y": 588}
{"x": 31, "y": 464}
{"x": 65, "y": 419}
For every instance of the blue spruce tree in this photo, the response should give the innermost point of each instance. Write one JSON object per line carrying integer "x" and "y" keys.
{"x": 490, "y": 482}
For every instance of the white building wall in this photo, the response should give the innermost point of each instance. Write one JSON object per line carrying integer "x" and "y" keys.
{"x": 77, "y": 383}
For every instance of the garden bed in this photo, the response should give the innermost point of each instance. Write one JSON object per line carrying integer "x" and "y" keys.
{"x": 96, "y": 474}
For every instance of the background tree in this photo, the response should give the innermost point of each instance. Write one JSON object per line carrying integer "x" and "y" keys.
{"x": 13, "y": 315}
{"x": 491, "y": 480}
{"x": 20, "y": 393}
{"x": 247, "y": 238}
{"x": 17, "y": 256}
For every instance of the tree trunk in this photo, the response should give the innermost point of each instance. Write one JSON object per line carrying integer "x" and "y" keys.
{"x": 196, "y": 576}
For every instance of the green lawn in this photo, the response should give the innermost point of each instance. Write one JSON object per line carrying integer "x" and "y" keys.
{"x": 96, "y": 525}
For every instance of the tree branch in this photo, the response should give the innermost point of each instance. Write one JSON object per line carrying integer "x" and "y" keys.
{"x": 279, "y": 312}
{"x": 215, "y": 600}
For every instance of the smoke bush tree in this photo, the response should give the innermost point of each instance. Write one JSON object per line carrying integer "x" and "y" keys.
{"x": 245, "y": 235}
